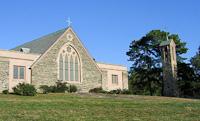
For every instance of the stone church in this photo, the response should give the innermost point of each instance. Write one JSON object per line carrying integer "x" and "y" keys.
{"x": 58, "y": 56}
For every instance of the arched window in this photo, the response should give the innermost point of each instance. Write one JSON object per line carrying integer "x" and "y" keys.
{"x": 69, "y": 66}
{"x": 76, "y": 69}
{"x": 71, "y": 69}
{"x": 61, "y": 67}
{"x": 66, "y": 68}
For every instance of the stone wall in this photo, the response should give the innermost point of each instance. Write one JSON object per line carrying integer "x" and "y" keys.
{"x": 4, "y": 75}
{"x": 45, "y": 72}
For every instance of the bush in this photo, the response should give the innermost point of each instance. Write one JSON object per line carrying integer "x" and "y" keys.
{"x": 118, "y": 91}
{"x": 45, "y": 89}
{"x": 60, "y": 87}
{"x": 5, "y": 92}
{"x": 126, "y": 91}
{"x": 72, "y": 88}
{"x": 24, "y": 89}
{"x": 97, "y": 90}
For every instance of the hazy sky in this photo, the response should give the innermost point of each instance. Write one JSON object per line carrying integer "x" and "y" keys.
{"x": 106, "y": 27}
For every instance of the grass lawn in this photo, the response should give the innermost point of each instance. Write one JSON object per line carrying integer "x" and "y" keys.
{"x": 91, "y": 107}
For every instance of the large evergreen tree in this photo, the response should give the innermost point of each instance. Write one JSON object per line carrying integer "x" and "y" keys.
{"x": 195, "y": 61}
{"x": 146, "y": 70}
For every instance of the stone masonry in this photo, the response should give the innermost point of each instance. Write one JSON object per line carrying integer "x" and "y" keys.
{"x": 44, "y": 72}
{"x": 4, "y": 75}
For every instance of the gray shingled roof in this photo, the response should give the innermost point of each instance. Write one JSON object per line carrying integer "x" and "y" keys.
{"x": 40, "y": 45}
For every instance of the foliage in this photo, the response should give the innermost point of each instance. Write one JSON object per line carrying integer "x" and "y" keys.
{"x": 72, "y": 88}
{"x": 24, "y": 89}
{"x": 5, "y": 92}
{"x": 125, "y": 91}
{"x": 45, "y": 89}
{"x": 97, "y": 90}
{"x": 185, "y": 79}
{"x": 58, "y": 88}
{"x": 146, "y": 71}
{"x": 195, "y": 61}
{"x": 146, "y": 81}
{"x": 119, "y": 91}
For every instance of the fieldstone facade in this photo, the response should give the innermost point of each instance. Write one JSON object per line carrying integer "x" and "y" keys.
{"x": 45, "y": 70}
{"x": 4, "y": 75}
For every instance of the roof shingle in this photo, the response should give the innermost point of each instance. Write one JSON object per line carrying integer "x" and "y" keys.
{"x": 40, "y": 45}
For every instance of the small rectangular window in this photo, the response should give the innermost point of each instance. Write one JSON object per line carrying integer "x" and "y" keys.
{"x": 21, "y": 75}
{"x": 15, "y": 73}
{"x": 115, "y": 79}
{"x": 19, "y": 72}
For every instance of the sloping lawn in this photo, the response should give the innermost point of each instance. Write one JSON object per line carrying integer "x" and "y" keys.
{"x": 91, "y": 107}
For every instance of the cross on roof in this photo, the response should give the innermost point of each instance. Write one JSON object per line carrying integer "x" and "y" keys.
{"x": 69, "y": 22}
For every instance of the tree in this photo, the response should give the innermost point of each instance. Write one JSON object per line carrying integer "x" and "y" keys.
{"x": 146, "y": 70}
{"x": 195, "y": 61}
{"x": 187, "y": 80}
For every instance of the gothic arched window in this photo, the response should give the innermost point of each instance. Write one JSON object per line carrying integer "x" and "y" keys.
{"x": 76, "y": 69}
{"x": 71, "y": 69}
{"x": 69, "y": 64}
{"x": 66, "y": 68}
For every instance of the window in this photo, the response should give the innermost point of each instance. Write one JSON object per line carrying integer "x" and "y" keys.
{"x": 76, "y": 69}
{"x": 19, "y": 72}
{"x": 114, "y": 79}
{"x": 66, "y": 68}
{"x": 70, "y": 71}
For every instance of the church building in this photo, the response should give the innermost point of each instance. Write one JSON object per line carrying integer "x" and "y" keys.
{"x": 58, "y": 56}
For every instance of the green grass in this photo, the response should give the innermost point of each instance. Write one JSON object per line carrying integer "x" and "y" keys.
{"x": 91, "y": 107}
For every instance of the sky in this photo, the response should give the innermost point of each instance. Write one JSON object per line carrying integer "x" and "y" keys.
{"x": 106, "y": 27}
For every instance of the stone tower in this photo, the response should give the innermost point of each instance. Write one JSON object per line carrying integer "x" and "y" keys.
{"x": 169, "y": 62}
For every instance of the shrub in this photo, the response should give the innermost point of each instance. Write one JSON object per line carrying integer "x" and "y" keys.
{"x": 45, "y": 89}
{"x": 118, "y": 91}
{"x": 5, "y": 92}
{"x": 97, "y": 90}
{"x": 125, "y": 91}
{"x": 72, "y": 88}
{"x": 60, "y": 87}
{"x": 24, "y": 89}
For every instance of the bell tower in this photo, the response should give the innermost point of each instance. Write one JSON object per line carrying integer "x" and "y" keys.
{"x": 169, "y": 62}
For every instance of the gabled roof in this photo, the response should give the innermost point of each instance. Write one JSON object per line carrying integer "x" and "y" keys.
{"x": 40, "y": 45}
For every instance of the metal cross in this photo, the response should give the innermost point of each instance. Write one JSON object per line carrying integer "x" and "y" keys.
{"x": 69, "y": 22}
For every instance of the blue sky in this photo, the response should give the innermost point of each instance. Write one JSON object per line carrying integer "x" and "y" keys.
{"x": 106, "y": 27}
